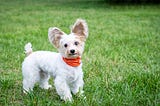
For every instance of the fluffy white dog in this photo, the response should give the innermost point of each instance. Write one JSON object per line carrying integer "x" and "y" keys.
{"x": 65, "y": 66}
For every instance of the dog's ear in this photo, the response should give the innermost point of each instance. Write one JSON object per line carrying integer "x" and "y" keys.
{"x": 80, "y": 28}
{"x": 54, "y": 35}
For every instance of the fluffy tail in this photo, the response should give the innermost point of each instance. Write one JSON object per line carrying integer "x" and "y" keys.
{"x": 28, "y": 49}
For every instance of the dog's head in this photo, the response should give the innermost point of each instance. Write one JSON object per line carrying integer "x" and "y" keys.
{"x": 72, "y": 45}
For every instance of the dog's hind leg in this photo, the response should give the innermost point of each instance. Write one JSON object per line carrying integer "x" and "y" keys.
{"x": 28, "y": 85}
{"x": 30, "y": 77}
{"x": 44, "y": 77}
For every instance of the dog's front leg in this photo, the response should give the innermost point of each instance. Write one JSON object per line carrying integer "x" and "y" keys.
{"x": 62, "y": 89}
{"x": 77, "y": 86}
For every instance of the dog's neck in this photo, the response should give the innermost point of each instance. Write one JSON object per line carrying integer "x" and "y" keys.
{"x": 72, "y": 62}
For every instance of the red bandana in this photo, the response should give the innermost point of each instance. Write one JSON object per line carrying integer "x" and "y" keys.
{"x": 72, "y": 62}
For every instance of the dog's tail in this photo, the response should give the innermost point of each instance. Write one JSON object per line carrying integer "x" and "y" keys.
{"x": 28, "y": 49}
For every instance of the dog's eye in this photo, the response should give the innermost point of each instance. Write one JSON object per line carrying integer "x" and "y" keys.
{"x": 76, "y": 43}
{"x": 65, "y": 45}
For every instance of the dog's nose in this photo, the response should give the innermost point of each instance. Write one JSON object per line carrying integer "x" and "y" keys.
{"x": 72, "y": 51}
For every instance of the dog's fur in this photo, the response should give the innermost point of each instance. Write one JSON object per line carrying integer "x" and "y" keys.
{"x": 39, "y": 65}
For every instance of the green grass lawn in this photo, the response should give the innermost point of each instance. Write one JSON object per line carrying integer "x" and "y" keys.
{"x": 121, "y": 62}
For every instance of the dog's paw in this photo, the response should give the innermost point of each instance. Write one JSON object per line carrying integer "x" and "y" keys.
{"x": 81, "y": 95}
{"x": 25, "y": 92}
{"x": 46, "y": 86}
{"x": 67, "y": 98}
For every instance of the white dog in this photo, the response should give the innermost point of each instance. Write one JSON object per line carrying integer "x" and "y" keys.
{"x": 65, "y": 66}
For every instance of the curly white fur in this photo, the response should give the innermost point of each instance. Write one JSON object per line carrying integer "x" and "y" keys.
{"x": 28, "y": 48}
{"x": 40, "y": 65}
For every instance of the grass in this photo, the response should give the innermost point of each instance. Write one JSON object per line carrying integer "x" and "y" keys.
{"x": 121, "y": 62}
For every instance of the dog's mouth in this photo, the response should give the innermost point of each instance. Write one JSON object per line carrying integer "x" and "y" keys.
{"x": 73, "y": 54}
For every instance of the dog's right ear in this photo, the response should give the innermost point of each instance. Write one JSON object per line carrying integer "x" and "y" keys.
{"x": 54, "y": 35}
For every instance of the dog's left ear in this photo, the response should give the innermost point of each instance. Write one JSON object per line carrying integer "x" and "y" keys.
{"x": 80, "y": 28}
